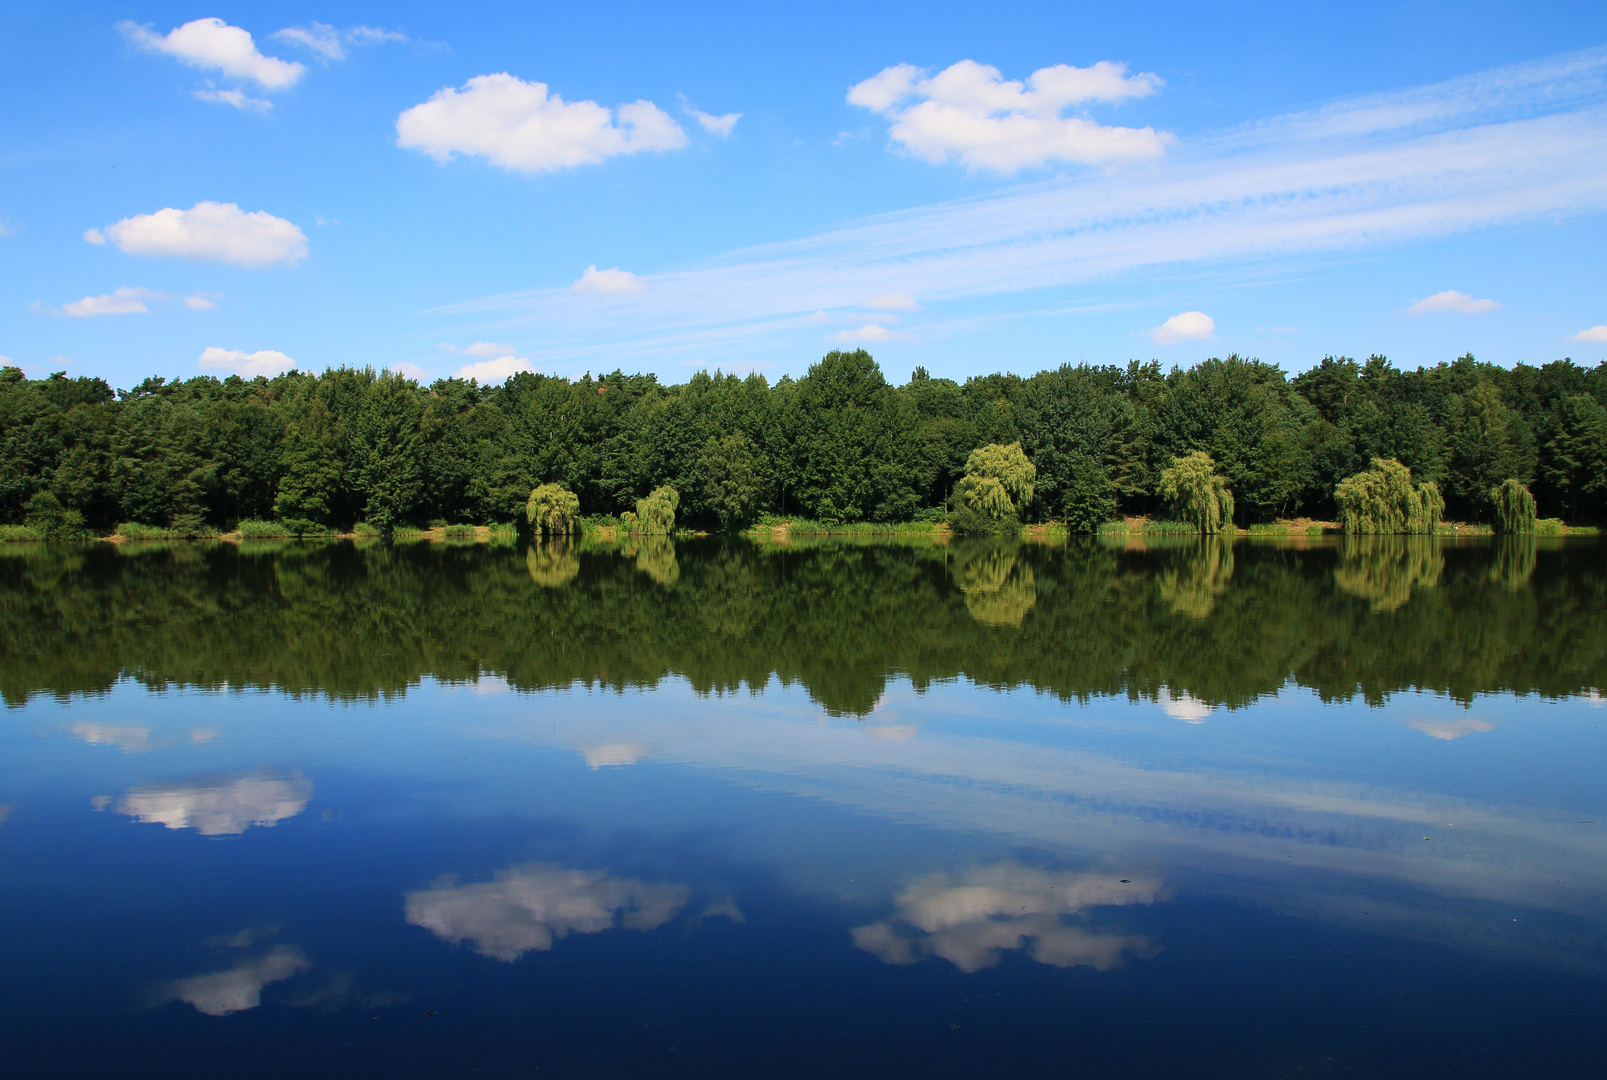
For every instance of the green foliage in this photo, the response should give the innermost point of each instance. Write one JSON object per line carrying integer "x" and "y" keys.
{"x": 52, "y": 521}
{"x": 1195, "y": 494}
{"x": 656, "y": 513}
{"x": 552, "y": 511}
{"x": 998, "y": 482}
{"x": 257, "y": 529}
{"x": 1514, "y": 507}
{"x": 732, "y": 483}
{"x": 1384, "y": 500}
{"x": 9, "y": 533}
{"x": 364, "y": 531}
{"x": 459, "y": 532}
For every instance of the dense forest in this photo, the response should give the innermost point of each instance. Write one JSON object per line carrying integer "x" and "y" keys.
{"x": 840, "y": 444}
{"x": 1223, "y": 622}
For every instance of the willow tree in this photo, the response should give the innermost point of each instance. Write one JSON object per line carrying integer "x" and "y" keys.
{"x": 1384, "y": 500}
{"x": 656, "y": 513}
{"x": 1514, "y": 507}
{"x": 998, "y": 482}
{"x": 552, "y": 511}
{"x": 1196, "y": 494}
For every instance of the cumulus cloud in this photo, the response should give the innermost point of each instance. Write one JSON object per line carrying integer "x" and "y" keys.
{"x": 518, "y": 125}
{"x": 201, "y": 301}
{"x": 972, "y": 919}
{"x": 714, "y": 125}
{"x": 1594, "y": 334}
{"x": 525, "y": 908}
{"x": 123, "y": 301}
{"x": 869, "y": 332}
{"x": 126, "y": 737}
{"x": 216, "y": 232}
{"x": 1451, "y": 300}
{"x": 608, "y": 281}
{"x": 214, "y": 45}
{"x": 263, "y": 362}
{"x": 499, "y": 370}
{"x": 220, "y": 993}
{"x": 970, "y": 113}
{"x": 330, "y": 43}
{"x": 893, "y": 301}
{"x": 1188, "y": 326}
{"x": 480, "y": 348}
{"x": 220, "y": 807}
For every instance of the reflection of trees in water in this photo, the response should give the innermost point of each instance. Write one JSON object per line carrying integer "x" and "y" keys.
{"x": 655, "y": 557}
{"x": 1385, "y": 569}
{"x": 1514, "y": 560}
{"x": 1196, "y": 574}
{"x": 999, "y": 590}
{"x": 838, "y": 619}
{"x": 552, "y": 564}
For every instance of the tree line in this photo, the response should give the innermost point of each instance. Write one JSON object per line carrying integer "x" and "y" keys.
{"x": 840, "y": 444}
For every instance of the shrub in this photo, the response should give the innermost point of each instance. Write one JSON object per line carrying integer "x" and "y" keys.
{"x": 20, "y": 532}
{"x": 52, "y": 521}
{"x": 1384, "y": 500}
{"x": 1514, "y": 508}
{"x": 257, "y": 529}
{"x": 364, "y": 531}
{"x": 1196, "y": 494}
{"x": 552, "y": 511}
{"x": 458, "y": 532}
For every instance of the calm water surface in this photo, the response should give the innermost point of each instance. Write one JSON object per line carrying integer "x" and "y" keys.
{"x": 718, "y": 809}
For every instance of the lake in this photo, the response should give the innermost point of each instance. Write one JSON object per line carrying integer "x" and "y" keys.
{"x": 895, "y": 808}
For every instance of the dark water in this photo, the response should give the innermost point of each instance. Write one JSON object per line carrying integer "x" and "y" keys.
{"x": 1186, "y": 809}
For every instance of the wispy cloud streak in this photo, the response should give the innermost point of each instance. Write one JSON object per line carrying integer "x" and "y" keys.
{"x": 1503, "y": 147}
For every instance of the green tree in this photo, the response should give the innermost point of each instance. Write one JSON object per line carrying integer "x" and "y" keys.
{"x": 998, "y": 483}
{"x": 1385, "y": 500}
{"x": 656, "y": 513}
{"x": 1513, "y": 506}
{"x": 1195, "y": 494}
{"x": 311, "y": 472}
{"x": 552, "y": 511}
{"x": 731, "y": 481}
{"x": 388, "y": 447}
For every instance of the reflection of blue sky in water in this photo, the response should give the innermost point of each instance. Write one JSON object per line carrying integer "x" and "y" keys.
{"x": 969, "y": 919}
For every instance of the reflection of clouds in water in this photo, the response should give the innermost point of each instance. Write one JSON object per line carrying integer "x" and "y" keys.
{"x": 5, "y": 812}
{"x": 524, "y": 908}
{"x": 204, "y": 734}
{"x": 1185, "y": 706}
{"x": 1449, "y": 729}
{"x": 616, "y": 754}
{"x": 1595, "y": 700}
{"x": 127, "y": 738}
{"x": 219, "y": 993}
{"x": 970, "y": 920}
{"x": 219, "y": 807}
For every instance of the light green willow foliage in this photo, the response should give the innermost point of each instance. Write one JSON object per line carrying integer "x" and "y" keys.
{"x": 656, "y": 513}
{"x": 1514, "y": 507}
{"x": 998, "y": 481}
{"x": 552, "y": 511}
{"x": 1383, "y": 500}
{"x": 1196, "y": 494}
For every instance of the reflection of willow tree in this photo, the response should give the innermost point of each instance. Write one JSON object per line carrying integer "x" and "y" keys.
{"x": 655, "y": 557}
{"x": 839, "y": 619}
{"x": 998, "y": 591}
{"x": 1199, "y": 574}
{"x": 1514, "y": 561}
{"x": 552, "y": 565}
{"x": 1385, "y": 569}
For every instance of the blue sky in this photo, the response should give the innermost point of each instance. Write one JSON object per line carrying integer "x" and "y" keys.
{"x": 425, "y": 186}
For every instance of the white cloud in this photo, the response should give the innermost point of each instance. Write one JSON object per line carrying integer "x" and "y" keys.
{"x": 218, "y": 232}
{"x": 1510, "y": 146}
{"x": 412, "y": 371}
{"x": 1593, "y": 335}
{"x": 608, "y": 281}
{"x": 517, "y": 125}
{"x": 238, "y": 98}
{"x": 971, "y": 919}
{"x": 219, "y": 807}
{"x": 123, "y": 301}
{"x": 201, "y": 301}
{"x": 893, "y": 301}
{"x": 1187, "y": 326}
{"x": 220, "y": 993}
{"x": 869, "y": 332}
{"x": 1451, "y": 300}
{"x": 480, "y": 348}
{"x": 214, "y": 44}
{"x": 268, "y": 362}
{"x": 715, "y": 125}
{"x": 330, "y": 43}
{"x": 524, "y": 908}
{"x": 970, "y": 113}
{"x": 495, "y": 371}
{"x": 128, "y": 738}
